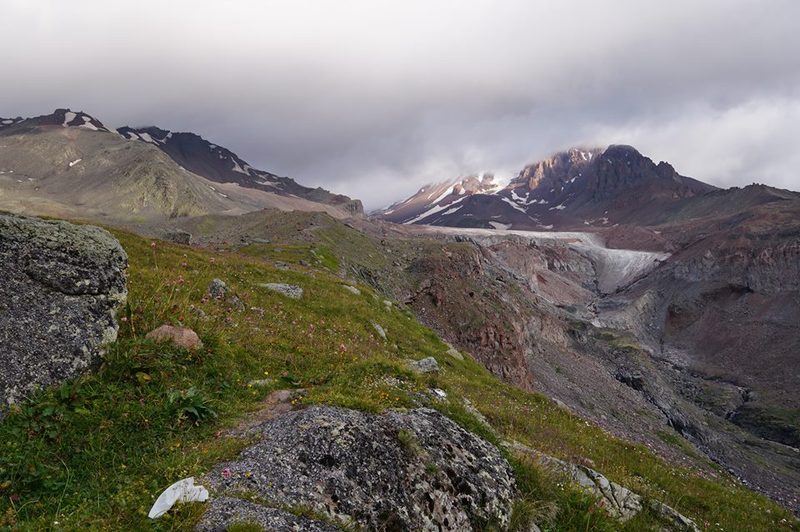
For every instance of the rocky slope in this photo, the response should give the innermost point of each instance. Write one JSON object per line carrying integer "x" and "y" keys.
{"x": 590, "y": 325}
{"x": 715, "y": 316}
{"x": 726, "y": 304}
{"x": 697, "y": 322}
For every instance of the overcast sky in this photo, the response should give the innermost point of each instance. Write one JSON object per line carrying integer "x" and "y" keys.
{"x": 374, "y": 98}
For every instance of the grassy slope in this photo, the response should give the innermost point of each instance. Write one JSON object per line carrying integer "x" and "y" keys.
{"x": 96, "y": 452}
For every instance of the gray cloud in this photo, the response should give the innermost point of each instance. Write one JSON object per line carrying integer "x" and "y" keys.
{"x": 375, "y": 98}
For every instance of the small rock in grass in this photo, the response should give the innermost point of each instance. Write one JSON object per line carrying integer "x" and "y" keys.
{"x": 200, "y": 313}
{"x": 560, "y": 404}
{"x": 179, "y": 236}
{"x": 453, "y": 352}
{"x": 179, "y": 336}
{"x": 426, "y": 365}
{"x": 235, "y": 303}
{"x": 352, "y": 289}
{"x": 380, "y": 330}
{"x": 288, "y": 290}
{"x": 217, "y": 289}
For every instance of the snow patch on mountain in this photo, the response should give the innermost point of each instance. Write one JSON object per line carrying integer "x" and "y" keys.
{"x": 69, "y": 116}
{"x": 238, "y": 168}
{"x": 433, "y": 210}
{"x": 87, "y": 123}
{"x": 513, "y": 205}
{"x": 444, "y": 194}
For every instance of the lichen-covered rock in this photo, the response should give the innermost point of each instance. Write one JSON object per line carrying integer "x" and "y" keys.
{"x": 227, "y": 511}
{"x": 413, "y": 470}
{"x": 426, "y": 365}
{"x": 59, "y": 287}
{"x": 217, "y": 289}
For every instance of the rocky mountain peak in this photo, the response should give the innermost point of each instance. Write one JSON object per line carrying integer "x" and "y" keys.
{"x": 60, "y": 117}
{"x": 575, "y": 187}
{"x": 561, "y": 166}
{"x": 68, "y": 118}
{"x": 152, "y": 134}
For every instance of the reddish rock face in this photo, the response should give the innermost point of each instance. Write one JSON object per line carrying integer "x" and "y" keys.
{"x": 179, "y": 336}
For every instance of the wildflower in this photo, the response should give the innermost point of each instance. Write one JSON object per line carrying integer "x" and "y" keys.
{"x": 226, "y": 473}
{"x": 153, "y": 244}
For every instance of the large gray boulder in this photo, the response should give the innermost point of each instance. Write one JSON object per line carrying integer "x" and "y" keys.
{"x": 59, "y": 287}
{"x": 414, "y": 470}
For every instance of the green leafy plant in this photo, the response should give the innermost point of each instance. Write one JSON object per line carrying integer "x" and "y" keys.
{"x": 191, "y": 405}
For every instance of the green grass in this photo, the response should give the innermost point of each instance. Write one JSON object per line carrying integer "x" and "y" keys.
{"x": 95, "y": 452}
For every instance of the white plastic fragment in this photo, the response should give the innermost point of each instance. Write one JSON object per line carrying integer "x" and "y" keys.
{"x": 182, "y": 491}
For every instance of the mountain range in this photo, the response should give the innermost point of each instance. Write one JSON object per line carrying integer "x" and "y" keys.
{"x": 69, "y": 163}
{"x": 571, "y": 189}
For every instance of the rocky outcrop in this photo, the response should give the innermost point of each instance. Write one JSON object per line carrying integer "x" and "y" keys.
{"x": 413, "y": 470}
{"x": 618, "y": 501}
{"x": 59, "y": 288}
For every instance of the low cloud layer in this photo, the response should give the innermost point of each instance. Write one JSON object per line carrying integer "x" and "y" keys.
{"x": 375, "y": 98}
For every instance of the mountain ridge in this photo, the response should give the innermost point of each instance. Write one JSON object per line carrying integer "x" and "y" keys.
{"x": 569, "y": 189}
{"x": 70, "y": 163}
{"x": 222, "y": 165}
